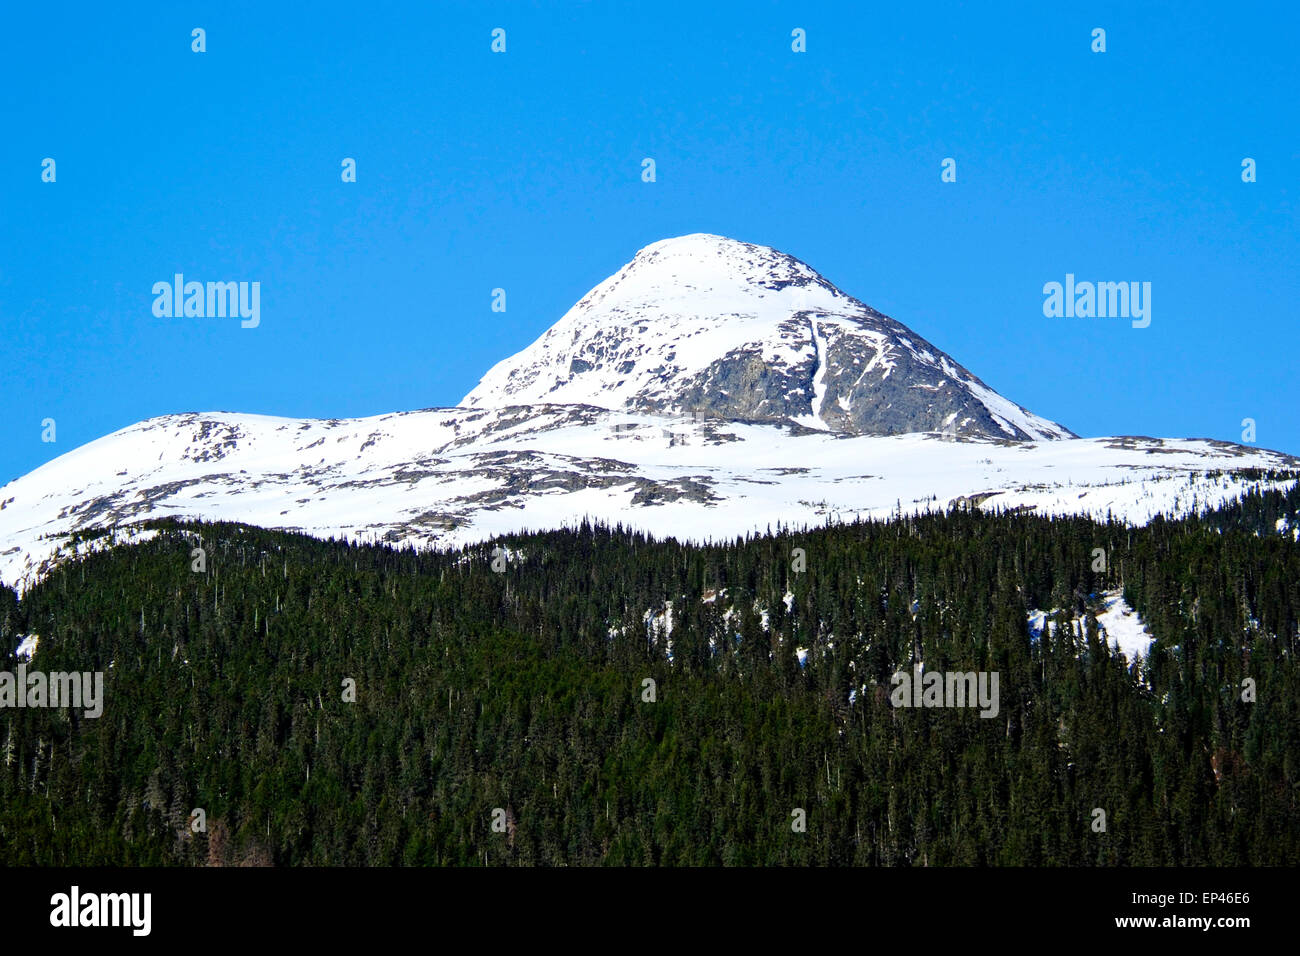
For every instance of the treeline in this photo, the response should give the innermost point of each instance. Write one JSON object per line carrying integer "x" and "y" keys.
{"x": 546, "y": 713}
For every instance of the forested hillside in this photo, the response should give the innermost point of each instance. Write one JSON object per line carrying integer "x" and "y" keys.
{"x": 524, "y": 689}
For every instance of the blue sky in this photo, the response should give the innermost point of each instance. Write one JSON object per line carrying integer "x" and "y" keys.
{"x": 522, "y": 170}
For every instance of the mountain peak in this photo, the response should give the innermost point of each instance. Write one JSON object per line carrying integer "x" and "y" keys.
{"x": 698, "y": 244}
{"x": 715, "y": 326}
{"x": 707, "y": 262}
{"x": 686, "y": 242}
{"x": 705, "y": 246}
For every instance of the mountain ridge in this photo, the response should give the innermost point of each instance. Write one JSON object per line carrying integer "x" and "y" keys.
{"x": 455, "y": 476}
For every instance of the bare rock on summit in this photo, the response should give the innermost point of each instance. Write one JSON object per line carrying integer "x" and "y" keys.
{"x": 733, "y": 330}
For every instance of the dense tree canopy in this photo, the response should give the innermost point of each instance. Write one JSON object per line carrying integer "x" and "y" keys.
{"x": 505, "y": 717}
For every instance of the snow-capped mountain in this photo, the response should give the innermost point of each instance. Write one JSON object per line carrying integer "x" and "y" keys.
{"x": 693, "y": 395}
{"x": 732, "y": 330}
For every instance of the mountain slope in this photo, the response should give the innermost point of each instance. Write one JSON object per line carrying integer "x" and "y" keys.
{"x": 708, "y": 390}
{"x": 727, "y": 329}
{"x": 457, "y": 475}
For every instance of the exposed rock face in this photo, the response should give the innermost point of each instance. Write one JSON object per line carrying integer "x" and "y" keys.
{"x": 733, "y": 330}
